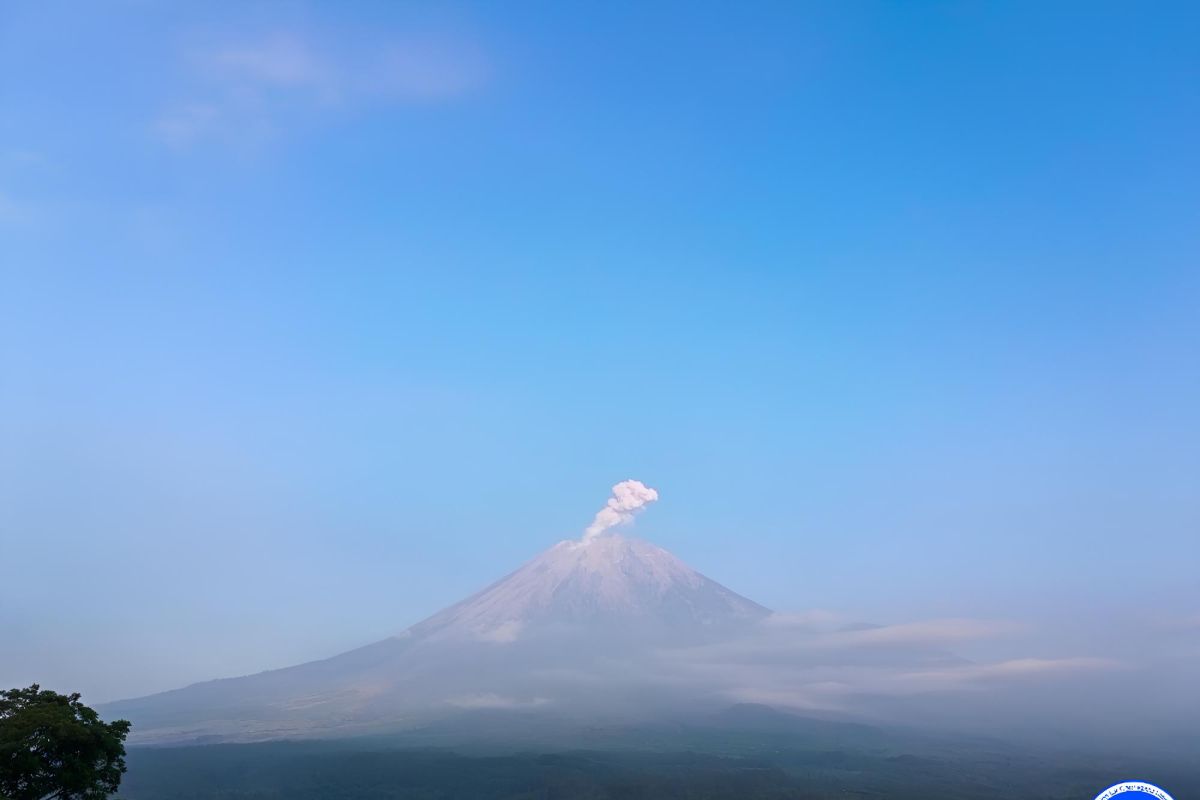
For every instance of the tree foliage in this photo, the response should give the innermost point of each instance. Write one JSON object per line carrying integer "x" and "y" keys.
{"x": 52, "y": 746}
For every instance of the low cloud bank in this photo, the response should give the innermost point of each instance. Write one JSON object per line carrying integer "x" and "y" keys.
{"x": 815, "y": 662}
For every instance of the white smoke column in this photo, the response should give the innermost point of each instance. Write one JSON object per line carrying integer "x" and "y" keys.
{"x": 628, "y": 498}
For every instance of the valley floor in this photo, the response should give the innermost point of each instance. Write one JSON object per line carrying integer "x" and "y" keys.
{"x": 357, "y": 770}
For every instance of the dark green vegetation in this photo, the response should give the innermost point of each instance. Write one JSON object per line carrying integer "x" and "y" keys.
{"x": 53, "y": 747}
{"x": 752, "y": 755}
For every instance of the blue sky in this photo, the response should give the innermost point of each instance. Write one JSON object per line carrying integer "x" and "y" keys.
{"x": 316, "y": 317}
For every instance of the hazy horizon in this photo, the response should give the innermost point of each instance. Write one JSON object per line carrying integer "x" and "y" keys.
{"x": 316, "y": 319}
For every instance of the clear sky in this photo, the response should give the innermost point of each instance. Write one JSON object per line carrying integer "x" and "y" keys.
{"x": 315, "y": 318}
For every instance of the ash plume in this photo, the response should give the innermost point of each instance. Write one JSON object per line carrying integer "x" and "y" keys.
{"x": 628, "y": 499}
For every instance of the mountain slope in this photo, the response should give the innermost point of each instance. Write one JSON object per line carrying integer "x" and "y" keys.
{"x": 574, "y": 628}
{"x": 611, "y": 585}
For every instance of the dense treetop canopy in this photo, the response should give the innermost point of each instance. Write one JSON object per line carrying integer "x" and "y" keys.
{"x": 54, "y": 746}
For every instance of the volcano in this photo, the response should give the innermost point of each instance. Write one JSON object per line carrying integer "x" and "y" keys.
{"x": 607, "y": 587}
{"x": 575, "y": 630}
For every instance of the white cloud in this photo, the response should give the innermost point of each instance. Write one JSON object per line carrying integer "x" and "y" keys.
{"x": 491, "y": 700}
{"x": 969, "y": 675}
{"x": 929, "y": 632}
{"x": 798, "y": 661}
{"x": 808, "y": 698}
{"x": 810, "y": 639}
{"x": 283, "y": 60}
{"x": 247, "y": 90}
{"x": 814, "y": 619}
{"x": 506, "y": 633}
{"x": 856, "y": 687}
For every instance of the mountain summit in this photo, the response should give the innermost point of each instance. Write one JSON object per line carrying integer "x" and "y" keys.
{"x": 581, "y": 615}
{"x": 605, "y": 586}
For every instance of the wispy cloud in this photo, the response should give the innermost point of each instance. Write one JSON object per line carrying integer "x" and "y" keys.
{"x": 488, "y": 700}
{"x": 25, "y": 158}
{"x": 815, "y": 661}
{"x": 185, "y": 124}
{"x": 13, "y": 212}
{"x": 248, "y": 89}
{"x": 856, "y": 688}
{"x": 1014, "y": 669}
{"x": 279, "y": 60}
{"x": 814, "y": 619}
{"x": 426, "y": 69}
{"x": 929, "y": 632}
{"x": 822, "y": 638}
{"x": 506, "y": 633}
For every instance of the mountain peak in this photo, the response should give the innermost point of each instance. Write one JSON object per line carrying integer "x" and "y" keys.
{"x": 609, "y": 584}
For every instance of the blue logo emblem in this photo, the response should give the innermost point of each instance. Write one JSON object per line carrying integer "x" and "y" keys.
{"x": 1134, "y": 790}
